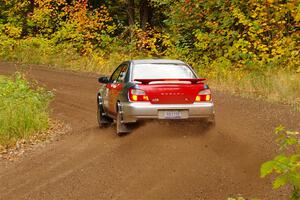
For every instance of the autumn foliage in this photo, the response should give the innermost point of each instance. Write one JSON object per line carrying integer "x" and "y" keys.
{"x": 240, "y": 34}
{"x": 241, "y": 43}
{"x": 245, "y": 34}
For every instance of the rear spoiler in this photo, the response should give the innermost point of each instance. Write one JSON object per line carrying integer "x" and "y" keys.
{"x": 192, "y": 80}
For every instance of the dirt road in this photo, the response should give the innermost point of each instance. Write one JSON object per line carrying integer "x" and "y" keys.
{"x": 157, "y": 161}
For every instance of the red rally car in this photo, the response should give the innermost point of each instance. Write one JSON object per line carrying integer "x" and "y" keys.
{"x": 153, "y": 89}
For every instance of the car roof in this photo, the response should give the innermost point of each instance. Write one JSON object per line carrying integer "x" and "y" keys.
{"x": 156, "y": 61}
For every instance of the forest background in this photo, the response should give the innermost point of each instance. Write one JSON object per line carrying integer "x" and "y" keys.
{"x": 249, "y": 47}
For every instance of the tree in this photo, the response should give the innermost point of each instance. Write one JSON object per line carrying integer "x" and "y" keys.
{"x": 130, "y": 12}
{"x": 145, "y": 13}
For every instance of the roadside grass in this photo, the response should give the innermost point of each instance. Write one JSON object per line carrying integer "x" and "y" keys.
{"x": 64, "y": 56}
{"x": 24, "y": 109}
{"x": 273, "y": 85}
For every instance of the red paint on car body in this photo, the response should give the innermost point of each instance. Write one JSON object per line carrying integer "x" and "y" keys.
{"x": 168, "y": 92}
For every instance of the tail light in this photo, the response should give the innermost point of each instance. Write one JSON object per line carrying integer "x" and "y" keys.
{"x": 204, "y": 95}
{"x": 137, "y": 95}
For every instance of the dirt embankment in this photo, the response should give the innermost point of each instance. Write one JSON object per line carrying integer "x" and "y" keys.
{"x": 156, "y": 161}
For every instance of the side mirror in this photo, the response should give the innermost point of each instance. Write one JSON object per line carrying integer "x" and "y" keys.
{"x": 103, "y": 79}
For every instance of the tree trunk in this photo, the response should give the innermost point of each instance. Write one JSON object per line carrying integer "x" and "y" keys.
{"x": 28, "y": 11}
{"x": 31, "y": 7}
{"x": 130, "y": 12}
{"x": 145, "y": 13}
{"x": 69, "y": 2}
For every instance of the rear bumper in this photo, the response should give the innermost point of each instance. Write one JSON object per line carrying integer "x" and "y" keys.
{"x": 133, "y": 111}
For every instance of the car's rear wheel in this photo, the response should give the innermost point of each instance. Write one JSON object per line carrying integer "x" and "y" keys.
{"x": 122, "y": 128}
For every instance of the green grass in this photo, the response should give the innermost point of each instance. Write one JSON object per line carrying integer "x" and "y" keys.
{"x": 23, "y": 109}
{"x": 274, "y": 86}
{"x": 64, "y": 56}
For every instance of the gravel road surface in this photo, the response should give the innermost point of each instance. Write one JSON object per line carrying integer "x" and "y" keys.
{"x": 157, "y": 161}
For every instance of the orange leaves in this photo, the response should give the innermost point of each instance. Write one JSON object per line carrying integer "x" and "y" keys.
{"x": 90, "y": 25}
{"x": 151, "y": 41}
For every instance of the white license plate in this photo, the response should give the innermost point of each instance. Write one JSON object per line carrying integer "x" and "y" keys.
{"x": 172, "y": 114}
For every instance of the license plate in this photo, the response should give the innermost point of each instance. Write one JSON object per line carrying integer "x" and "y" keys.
{"x": 172, "y": 114}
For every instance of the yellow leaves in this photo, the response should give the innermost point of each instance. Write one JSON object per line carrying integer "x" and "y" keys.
{"x": 282, "y": 22}
{"x": 62, "y": 21}
{"x": 87, "y": 48}
{"x": 265, "y": 32}
{"x": 212, "y": 24}
{"x": 254, "y": 15}
{"x": 237, "y": 13}
{"x": 270, "y": 1}
{"x": 203, "y": 40}
{"x": 262, "y": 47}
{"x": 277, "y": 51}
{"x": 12, "y": 31}
{"x": 150, "y": 41}
{"x": 296, "y": 13}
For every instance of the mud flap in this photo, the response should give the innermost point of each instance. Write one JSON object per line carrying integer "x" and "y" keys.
{"x": 103, "y": 119}
{"x": 122, "y": 128}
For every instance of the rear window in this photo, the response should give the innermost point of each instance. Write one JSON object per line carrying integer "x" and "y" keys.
{"x": 161, "y": 71}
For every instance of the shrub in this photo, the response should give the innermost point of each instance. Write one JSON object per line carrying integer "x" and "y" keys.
{"x": 23, "y": 109}
{"x": 286, "y": 165}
